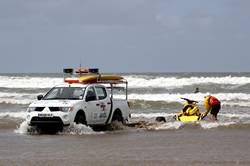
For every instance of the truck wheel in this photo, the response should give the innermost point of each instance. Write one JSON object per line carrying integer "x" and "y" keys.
{"x": 117, "y": 117}
{"x": 117, "y": 122}
{"x": 80, "y": 118}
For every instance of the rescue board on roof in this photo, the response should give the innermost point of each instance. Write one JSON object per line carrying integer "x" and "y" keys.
{"x": 96, "y": 78}
{"x": 86, "y": 76}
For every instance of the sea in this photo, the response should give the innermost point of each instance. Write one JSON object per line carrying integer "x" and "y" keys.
{"x": 143, "y": 141}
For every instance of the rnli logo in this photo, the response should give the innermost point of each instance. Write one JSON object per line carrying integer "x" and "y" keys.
{"x": 103, "y": 106}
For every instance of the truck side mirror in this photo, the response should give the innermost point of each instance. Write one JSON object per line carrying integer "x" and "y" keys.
{"x": 39, "y": 97}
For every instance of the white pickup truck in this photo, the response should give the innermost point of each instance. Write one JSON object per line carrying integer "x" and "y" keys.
{"x": 89, "y": 104}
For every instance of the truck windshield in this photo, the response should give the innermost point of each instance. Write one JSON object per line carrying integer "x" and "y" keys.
{"x": 69, "y": 93}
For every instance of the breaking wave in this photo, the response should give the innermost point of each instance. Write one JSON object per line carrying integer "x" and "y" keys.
{"x": 152, "y": 100}
{"x": 29, "y": 82}
{"x": 134, "y": 81}
{"x": 18, "y": 115}
{"x": 173, "y": 82}
{"x": 152, "y": 95}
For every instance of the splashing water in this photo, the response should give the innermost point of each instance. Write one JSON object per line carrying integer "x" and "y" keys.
{"x": 75, "y": 129}
{"x": 79, "y": 129}
{"x": 24, "y": 128}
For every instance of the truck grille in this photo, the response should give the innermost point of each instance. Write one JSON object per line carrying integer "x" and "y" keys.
{"x": 52, "y": 109}
{"x": 39, "y": 109}
{"x": 46, "y": 120}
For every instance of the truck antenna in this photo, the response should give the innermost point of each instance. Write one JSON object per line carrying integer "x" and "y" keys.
{"x": 80, "y": 66}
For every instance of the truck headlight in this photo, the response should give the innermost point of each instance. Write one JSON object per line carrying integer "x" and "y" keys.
{"x": 31, "y": 109}
{"x": 65, "y": 109}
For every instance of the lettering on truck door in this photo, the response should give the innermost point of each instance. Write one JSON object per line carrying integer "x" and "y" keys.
{"x": 104, "y": 104}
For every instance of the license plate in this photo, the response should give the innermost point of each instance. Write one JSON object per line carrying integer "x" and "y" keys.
{"x": 45, "y": 115}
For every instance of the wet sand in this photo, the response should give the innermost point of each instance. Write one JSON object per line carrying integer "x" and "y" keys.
{"x": 186, "y": 146}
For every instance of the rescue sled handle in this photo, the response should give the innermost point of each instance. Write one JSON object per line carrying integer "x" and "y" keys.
{"x": 189, "y": 101}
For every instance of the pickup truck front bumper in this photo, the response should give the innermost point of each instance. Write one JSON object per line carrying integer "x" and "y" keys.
{"x": 55, "y": 120}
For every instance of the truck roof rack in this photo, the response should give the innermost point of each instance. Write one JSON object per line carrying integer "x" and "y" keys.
{"x": 92, "y": 75}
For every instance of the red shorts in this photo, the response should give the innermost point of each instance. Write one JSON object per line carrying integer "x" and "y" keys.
{"x": 215, "y": 109}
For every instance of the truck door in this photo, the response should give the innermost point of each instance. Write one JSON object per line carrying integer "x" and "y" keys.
{"x": 92, "y": 105}
{"x": 104, "y": 104}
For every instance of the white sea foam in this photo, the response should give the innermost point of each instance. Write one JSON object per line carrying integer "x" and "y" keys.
{"x": 203, "y": 124}
{"x": 23, "y": 128}
{"x": 210, "y": 125}
{"x": 226, "y": 98}
{"x": 79, "y": 129}
{"x": 75, "y": 129}
{"x": 239, "y": 116}
{"x": 237, "y": 103}
{"x": 173, "y": 82}
{"x": 230, "y": 99}
{"x": 151, "y": 115}
{"x": 15, "y": 101}
{"x": 17, "y": 98}
{"x": 134, "y": 81}
{"x": 225, "y": 120}
{"x": 21, "y": 115}
{"x": 29, "y": 82}
{"x": 169, "y": 125}
{"x": 18, "y": 95}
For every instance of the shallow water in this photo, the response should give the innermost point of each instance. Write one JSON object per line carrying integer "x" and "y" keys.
{"x": 186, "y": 146}
{"x": 144, "y": 141}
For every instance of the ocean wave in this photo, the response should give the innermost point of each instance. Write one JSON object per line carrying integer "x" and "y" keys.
{"x": 9, "y": 115}
{"x": 145, "y": 100}
{"x": 134, "y": 81}
{"x": 17, "y": 98}
{"x": 15, "y": 101}
{"x": 224, "y": 97}
{"x": 29, "y": 82}
{"x": 173, "y": 82}
{"x": 18, "y": 95}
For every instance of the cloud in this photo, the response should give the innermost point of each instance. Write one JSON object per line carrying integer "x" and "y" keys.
{"x": 81, "y": 12}
{"x": 124, "y": 35}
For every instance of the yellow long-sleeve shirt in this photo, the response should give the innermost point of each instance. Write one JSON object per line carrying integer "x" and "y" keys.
{"x": 206, "y": 103}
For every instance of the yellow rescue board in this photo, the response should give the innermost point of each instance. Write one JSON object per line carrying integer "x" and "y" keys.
{"x": 188, "y": 118}
{"x": 95, "y": 78}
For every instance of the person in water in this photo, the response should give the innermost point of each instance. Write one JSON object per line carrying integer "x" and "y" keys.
{"x": 212, "y": 104}
{"x": 197, "y": 90}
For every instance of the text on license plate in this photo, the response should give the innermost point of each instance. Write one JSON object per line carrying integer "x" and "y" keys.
{"x": 45, "y": 115}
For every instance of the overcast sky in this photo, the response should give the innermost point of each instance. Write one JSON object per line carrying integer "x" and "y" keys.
{"x": 125, "y": 35}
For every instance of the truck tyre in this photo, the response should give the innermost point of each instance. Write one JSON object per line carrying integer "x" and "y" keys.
{"x": 80, "y": 118}
{"x": 117, "y": 122}
{"x": 117, "y": 117}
